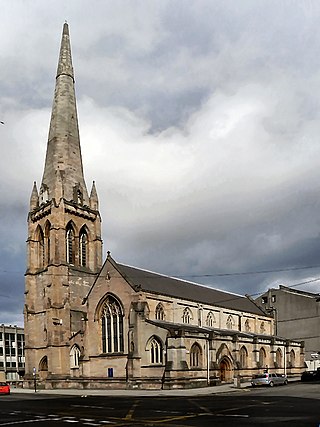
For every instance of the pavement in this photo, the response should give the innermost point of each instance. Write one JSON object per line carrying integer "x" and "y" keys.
{"x": 224, "y": 388}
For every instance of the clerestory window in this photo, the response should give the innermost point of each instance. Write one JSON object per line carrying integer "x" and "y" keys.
{"x": 159, "y": 313}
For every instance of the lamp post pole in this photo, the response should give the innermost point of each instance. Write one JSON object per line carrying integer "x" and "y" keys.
{"x": 35, "y": 379}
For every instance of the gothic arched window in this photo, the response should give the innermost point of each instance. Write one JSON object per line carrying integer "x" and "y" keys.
{"x": 41, "y": 247}
{"x": 112, "y": 326}
{"x": 262, "y": 328}
{"x": 279, "y": 358}
{"x": 230, "y": 322}
{"x": 47, "y": 241}
{"x": 74, "y": 357}
{"x": 262, "y": 357}
{"x": 70, "y": 255}
{"x": 159, "y": 312}
{"x": 195, "y": 356}
{"x": 156, "y": 350}
{"x": 210, "y": 321}
{"x": 186, "y": 315}
{"x": 83, "y": 248}
{"x": 243, "y": 357}
{"x": 292, "y": 359}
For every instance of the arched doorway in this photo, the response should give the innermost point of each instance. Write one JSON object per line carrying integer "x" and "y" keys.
{"x": 43, "y": 368}
{"x": 226, "y": 371}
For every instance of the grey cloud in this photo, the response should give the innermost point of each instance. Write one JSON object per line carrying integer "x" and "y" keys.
{"x": 199, "y": 124}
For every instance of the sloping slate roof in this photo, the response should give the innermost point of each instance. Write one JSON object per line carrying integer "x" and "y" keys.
{"x": 202, "y": 329}
{"x": 169, "y": 286}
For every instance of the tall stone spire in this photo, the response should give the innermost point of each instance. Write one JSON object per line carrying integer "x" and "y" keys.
{"x": 63, "y": 171}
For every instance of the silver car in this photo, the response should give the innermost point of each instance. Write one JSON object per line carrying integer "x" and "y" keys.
{"x": 269, "y": 379}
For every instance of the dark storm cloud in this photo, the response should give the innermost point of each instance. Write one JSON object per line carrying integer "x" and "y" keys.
{"x": 199, "y": 122}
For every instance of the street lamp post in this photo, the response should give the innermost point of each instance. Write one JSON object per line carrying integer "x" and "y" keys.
{"x": 35, "y": 379}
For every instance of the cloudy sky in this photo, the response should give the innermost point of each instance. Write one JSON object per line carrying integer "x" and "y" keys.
{"x": 199, "y": 122}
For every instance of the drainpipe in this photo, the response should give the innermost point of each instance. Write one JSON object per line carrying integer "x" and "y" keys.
{"x": 208, "y": 363}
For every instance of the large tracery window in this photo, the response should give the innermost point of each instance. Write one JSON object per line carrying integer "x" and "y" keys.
{"x": 83, "y": 244}
{"x": 112, "y": 326}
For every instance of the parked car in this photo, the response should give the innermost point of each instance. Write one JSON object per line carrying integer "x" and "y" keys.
{"x": 269, "y": 379}
{"x": 311, "y": 375}
{"x": 4, "y": 388}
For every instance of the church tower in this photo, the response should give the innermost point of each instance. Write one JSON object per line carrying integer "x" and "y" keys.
{"x": 64, "y": 238}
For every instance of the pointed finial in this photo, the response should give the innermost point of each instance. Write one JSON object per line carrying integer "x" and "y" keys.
{"x": 94, "y": 201}
{"x": 65, "y": 28}
{"x": 34, "y": 199}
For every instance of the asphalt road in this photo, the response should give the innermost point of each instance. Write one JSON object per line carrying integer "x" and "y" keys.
{"x": 294, "y": 405}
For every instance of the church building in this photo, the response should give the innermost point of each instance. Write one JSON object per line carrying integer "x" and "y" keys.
{"x": 94, "y": 324}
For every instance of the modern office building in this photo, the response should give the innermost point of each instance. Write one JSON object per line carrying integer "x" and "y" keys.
{"x": 12, "y": 364}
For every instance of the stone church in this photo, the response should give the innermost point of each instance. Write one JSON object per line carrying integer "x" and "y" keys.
{"x": 94, "y": 324}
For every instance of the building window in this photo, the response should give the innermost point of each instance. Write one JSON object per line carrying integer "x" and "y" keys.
{"x": 156, "y": 351}
{"x": 262, "y": 328}
{"x": 262, "y": 357}
{"x": 186, "y": 315}
{"x": 278, "y": 358}
{"x": 41, "y": 253}
{"x": 70, "y": 245}
{"x": 47, "y": 242}
{"x": 264, "y": 300}
{"x": 210, "y": 321}
{"x": 159, "y": 312}
{"x": 273, "y": 298}
{"x": 230, "y": 322}
{"x": 292, "y": 359}
{"x": 74, "y": 357}
{"x": 195, "y": 356}
{"x": 83, "y": 252}
{"x": 247, "y": 327}
{"x": 243, "y": 357}
{"x": 112, "y": 326}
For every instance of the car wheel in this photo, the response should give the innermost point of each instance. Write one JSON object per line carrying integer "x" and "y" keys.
{"x": 271, "y": 384}
{"x": 285, "y": 383}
